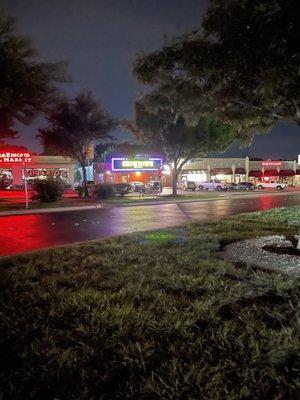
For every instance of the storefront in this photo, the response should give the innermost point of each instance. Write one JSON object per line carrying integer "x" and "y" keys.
{"x": 128, "y": 170}
{"x": 241, "y": 170}
{"x": 123, "y": 169}
{"x": 18, "y": 164}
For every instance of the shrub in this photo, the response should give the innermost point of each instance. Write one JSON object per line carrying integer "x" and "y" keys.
{"x": 122, "y": 188}
{"x": 104, "y": 191}
{"x": 79, "y": 190}
{"x": 48, "y": 190}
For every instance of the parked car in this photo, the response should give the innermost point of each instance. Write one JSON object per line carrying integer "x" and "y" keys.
{"x": 245, "y": 186}
{"x": 212, "y": 185}
{"x": 137, "y": 186}
{"x": 240, "y": 186}
{"x": 154, "y": 185}
{"x": 231, "y": 186}
{"x": 122, "y": 188}
{"x": 272, "y": 185}
{"x": 187, "y": 185}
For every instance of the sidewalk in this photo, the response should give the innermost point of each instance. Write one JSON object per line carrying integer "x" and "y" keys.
{"x": 131, "y": 201}
{"x": 93, "y": 206}
{"x": 48, "y": 210}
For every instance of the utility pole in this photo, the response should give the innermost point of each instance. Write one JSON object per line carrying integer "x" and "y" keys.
{"x": 25, "y": 185}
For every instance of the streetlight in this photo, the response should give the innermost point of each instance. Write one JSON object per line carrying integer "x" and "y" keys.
{"x": 25, "y": 185}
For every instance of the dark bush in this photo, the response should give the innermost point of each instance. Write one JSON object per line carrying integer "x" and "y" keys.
{"x": 48, "y": 190}
{"x": 104, "y": 191}
{"x": 79, "y": 190}
{"x": 122, "y": 188}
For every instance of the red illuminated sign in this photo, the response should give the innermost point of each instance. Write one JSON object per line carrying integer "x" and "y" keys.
{"x": 12, "y": 157}
{"x": 271, "y": 163}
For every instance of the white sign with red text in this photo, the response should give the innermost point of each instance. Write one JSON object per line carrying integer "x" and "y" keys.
{"x": 269, "y": 163}
{"x": 10, "y": 157}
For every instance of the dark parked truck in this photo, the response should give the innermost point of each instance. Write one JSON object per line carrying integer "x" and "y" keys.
{"x": 187, "y": 185}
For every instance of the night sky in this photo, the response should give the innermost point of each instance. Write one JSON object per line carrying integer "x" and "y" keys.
{"x": 99, "y": 38}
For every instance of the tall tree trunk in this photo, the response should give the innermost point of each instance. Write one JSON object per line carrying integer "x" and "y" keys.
{"x": 85, "y": 189}
{"x": 298, "y": 244}
{"x": 174, "y": 181}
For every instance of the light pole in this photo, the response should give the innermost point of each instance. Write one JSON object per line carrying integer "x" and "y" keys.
{"x": 25, "y": 185}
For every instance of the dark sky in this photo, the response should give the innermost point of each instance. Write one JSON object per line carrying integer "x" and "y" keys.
{"x": 99, "y": 38}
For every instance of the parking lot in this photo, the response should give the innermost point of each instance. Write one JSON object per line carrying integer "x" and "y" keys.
{"x": 168, "y": 191}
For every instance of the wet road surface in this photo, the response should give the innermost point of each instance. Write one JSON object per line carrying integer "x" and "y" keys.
{"x": 23, "y": 233}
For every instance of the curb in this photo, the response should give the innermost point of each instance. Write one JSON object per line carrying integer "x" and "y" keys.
{"x": 48, "y": 210}
{"x": 134, "y": 204}
{"x": 161, "y": 202}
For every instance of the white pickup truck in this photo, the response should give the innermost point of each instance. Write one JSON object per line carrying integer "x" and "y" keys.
{"x": 272, "y": 185}
{"x": 213, "y": 185}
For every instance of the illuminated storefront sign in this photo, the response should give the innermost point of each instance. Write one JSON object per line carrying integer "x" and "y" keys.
{"x": 41, "y": 173}
{"x": 271, "y": 163}
{"x": 122, "y": 164}
{"x": 10, "y": 157}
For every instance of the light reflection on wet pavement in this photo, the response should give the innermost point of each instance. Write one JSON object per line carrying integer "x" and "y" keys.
{"x": 23, "y": 233}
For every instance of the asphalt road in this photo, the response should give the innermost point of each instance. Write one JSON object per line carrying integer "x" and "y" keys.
{"x": 22, "y": 233}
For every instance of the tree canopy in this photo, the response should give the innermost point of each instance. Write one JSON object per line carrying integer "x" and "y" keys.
{"x": 27, "y": 86}
{"x": 243, "y": 65}
{"x": 160, "y": 123}
{"x": 74, "y": 125}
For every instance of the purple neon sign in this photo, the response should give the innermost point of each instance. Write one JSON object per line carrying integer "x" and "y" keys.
{"x": 124, "y": 164}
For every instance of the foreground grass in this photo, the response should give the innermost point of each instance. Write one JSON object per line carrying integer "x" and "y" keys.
{"x": 151, "y": 316}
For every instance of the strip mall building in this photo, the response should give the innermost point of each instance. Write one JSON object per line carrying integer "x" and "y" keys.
{"x": 199, "y": 170}
{"x": 18, "y": 164}
{"x": 242, "y": 170}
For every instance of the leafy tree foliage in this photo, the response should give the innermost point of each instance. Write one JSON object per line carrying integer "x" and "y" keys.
{"x": 104, "y": 152}
{"x": 243, "y": 65}
{"x": 26, "y": 85}
{"x": 160, "y": 124}
{"x": 73, "y": 125}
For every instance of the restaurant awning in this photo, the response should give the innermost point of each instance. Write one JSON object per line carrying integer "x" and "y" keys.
{"x": 271, "y": 172}
{"x": 219, "y": 171}
{"x": 240, "y": 171}
{"x": 287, "y": 172}
{"x": 255, "y": 173}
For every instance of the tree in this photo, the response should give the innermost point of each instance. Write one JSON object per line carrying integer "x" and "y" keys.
{"x": 159, "y": 123}
{"x": 7, "y": 134}
{"x": 243, "y": 65}
{"x": 74, "y": 125}
{"x": 26, "y": 86}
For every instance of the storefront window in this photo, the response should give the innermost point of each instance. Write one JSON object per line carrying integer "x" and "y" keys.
{"x": 221, "y": 178}
{"x": 197, "y": 177}
{"x": 240, "y": 178}
{"x": 43, "y": 173}
{"x": 6, "y": 179}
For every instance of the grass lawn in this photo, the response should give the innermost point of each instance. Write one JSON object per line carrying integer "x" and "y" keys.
{"x": 155, "y": 315}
